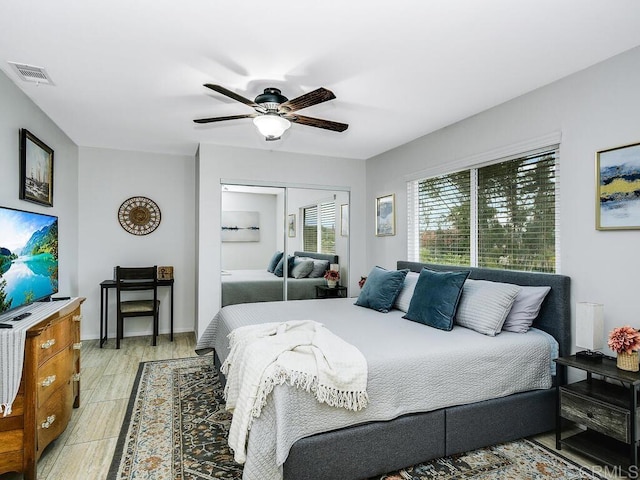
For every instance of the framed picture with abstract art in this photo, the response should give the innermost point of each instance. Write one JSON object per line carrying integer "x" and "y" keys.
{"x": 385, "y": 215}
{"x": 618, "y": 188}
{"x": 36, "y": 170}
{"x": 291, "y": 225}
{"x": 240, "y": 226}
{"x": 344, "y": 220}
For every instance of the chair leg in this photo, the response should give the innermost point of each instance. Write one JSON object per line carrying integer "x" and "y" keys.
{"x": 118, "y": 332}
{"x": 155, "y": 329}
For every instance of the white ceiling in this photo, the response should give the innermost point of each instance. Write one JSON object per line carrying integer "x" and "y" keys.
{"x": 128, "y": 73}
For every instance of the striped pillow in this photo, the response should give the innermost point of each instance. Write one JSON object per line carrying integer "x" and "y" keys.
{"x": 485, "y": 305}
{"x": 404, "y": 297}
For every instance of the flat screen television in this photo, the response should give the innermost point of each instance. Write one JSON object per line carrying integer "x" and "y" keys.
{"x": 28, "y": 257}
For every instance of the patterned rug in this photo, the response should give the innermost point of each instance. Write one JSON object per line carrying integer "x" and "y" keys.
{"x": 176, "y": 426}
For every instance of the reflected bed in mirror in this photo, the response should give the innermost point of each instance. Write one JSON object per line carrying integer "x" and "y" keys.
{"x": 248, "y": 286}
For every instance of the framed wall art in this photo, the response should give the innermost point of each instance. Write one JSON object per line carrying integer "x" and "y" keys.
{"x": 344, "y": 220}
{"x": 618, "y": 188}
{"x": 385, "y": 215}
{"x": 291, "y": 225}
{"x": 240, "y": 226}
{"x": 36, "y": 169}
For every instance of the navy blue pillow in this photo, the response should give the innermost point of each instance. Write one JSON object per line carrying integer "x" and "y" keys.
{"x": 381, "y": 289}
{"x": 273, "y": 263}
{"x": 279, "y": 270}
{"x": 436, "y": 297}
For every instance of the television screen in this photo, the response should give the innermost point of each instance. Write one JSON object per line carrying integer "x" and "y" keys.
{"x": 28, "y": 257}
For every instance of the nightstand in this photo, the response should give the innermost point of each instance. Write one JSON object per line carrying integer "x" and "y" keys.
{"x": 323, "y": 291}
{"x": 606, "y": 406}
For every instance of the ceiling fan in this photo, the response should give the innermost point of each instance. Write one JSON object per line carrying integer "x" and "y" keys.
{"x": 274, "y": 112}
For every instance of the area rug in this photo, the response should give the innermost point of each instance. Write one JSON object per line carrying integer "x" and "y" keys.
{"x": 176, "y": 428}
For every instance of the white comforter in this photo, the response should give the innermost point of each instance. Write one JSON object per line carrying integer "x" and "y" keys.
{"x": 412, "y": 368}
{"x": 299, "y": 353}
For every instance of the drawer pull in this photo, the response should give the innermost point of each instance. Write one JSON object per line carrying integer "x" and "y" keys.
{"x": 48, "y": 344}
{"x": 77, "y": 318}
{"x": 75, "y": 377}
{"x": 49, "y": 421}
{"x": 77, "y": 346}
{"x": 48, "y": 381}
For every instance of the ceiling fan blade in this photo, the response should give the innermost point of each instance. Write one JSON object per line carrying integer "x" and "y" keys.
{"x": 222, "y": 119}
{"x": 318, "y": 123}
{"x": 233, "y": 95}
{"x": 308, "y": 99}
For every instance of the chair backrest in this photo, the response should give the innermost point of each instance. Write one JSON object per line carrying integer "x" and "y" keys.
{"x": 136, "y": 279}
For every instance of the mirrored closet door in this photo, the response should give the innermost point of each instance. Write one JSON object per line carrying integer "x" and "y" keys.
{"x": 274, "y": 236}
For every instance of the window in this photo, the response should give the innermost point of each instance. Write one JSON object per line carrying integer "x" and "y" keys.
{"x": 499, "y": 216}
{"x": 323, "y": 239}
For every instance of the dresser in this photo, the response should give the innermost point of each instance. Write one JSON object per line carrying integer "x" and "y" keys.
{"x": 49, "y": 389}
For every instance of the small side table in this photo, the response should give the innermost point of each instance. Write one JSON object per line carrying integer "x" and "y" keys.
{"x": 323, "y": 291}
{"x": 608, "y": 410}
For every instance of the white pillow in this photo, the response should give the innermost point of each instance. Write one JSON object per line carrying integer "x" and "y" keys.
{"x": 525, "y": 309}
{"x": 484, "y": 305}
{"x": 406, "y": 292}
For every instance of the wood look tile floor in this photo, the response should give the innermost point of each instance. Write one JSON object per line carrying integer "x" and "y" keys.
{"x": 85, "y": 449}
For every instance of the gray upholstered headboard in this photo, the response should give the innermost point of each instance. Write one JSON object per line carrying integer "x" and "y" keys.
{"x": 555, "y": 314}
{"x": 318, "y": 256}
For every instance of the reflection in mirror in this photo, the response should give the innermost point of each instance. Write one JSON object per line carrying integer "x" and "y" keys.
{"x": 276, "y": 234}
{"x": 251, "y": 219}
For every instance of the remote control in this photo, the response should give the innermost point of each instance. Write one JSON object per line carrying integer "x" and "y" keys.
{"x": 6, "y": 325}
{"x": 21, "y": 316}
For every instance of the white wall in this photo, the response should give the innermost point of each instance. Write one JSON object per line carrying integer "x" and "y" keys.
{"x": 106, "y": 179}
{"x": 595, "y": 109}
{"x": 17, "y": 112}
{"x": 217, "y": 163}
{"x": 251, "y": 255}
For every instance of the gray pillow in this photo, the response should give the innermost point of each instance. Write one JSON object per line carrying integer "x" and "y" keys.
{"x": 484, "y": 305}
{"x": 302, "y": 269}
{"x": 525, "y": 309}
{"x": 319, "y": 267}
{"x": 404, "y": 297}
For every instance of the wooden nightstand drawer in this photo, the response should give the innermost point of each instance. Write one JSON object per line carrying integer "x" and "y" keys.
{"x": 604, "y": 418}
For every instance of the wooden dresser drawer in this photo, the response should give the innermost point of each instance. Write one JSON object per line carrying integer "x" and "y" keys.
{"x": 601, "y": 417}
{"x": 54, "y": 339}
{"x": 53, "y": 416}
{"x": 55, "y": 372}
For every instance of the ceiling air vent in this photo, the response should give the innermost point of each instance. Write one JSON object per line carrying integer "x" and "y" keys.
{"x": 30, "y": 73}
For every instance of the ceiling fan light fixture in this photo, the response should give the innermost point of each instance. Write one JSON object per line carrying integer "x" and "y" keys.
{"x": 271, "y": 126}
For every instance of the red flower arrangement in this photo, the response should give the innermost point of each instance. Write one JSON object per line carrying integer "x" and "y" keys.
{"x": 624, "y": 339}
{"x": 332, "y": 275}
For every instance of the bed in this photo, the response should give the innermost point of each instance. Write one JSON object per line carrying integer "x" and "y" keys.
{"x": 250, "y": 286}
{"x": 404, "y": 437}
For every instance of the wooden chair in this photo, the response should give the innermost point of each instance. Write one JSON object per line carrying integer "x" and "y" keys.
{"x": 136, "y": 279}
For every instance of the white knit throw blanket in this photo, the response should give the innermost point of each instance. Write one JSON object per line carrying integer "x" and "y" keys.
{"x": 300, "y": 353}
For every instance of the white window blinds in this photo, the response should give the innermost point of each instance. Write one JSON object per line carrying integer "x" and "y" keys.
{"x": 319, "y": 228}
{"x": 501, "y": 216}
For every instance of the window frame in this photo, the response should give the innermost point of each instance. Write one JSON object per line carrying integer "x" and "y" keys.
{"x": 413, "y": 198}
